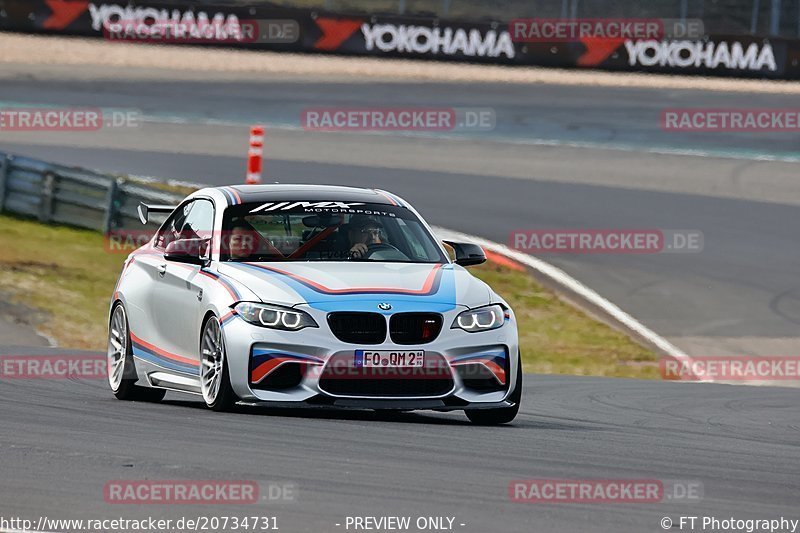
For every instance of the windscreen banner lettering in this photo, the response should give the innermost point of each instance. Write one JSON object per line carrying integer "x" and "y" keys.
{"x": 288, "y": 206}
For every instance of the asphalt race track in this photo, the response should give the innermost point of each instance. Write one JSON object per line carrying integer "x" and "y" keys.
{"x": 62, "y": 441}
{"x": 559, "y": 157}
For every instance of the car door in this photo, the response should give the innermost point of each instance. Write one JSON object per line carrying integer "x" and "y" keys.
{"x": 179, "y": 292}
{"x": 147, "y": 269}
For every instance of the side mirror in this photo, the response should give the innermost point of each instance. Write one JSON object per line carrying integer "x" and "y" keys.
{"x": 192, "y": 251}
{"x": 467, "y": 254}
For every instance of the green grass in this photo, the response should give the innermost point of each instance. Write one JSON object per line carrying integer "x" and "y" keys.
{"x": 68, "y": 276}
{"x": 64, "y": 273}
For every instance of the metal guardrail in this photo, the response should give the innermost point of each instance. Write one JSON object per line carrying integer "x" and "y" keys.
{"x": 74, "y": 196}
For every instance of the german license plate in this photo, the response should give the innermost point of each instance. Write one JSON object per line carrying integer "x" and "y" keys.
{"x": 389, "y": 358}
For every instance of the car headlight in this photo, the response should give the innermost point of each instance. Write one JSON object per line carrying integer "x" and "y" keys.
{"x": 481, "y": 319}
{"x": 274, "y": 316}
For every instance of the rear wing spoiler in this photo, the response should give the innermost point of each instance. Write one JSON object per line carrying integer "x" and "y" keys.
{"x": 145, "y": 210}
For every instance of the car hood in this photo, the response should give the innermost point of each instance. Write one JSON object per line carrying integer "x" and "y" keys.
{"x": 327, "y": 285}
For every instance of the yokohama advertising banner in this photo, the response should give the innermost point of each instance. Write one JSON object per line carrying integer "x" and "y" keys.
{"x": 302, "y": 30}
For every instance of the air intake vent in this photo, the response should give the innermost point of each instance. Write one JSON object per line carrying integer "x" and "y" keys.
{"x": 341, "y": 377}
{"x": 415, "y": 328}
{"x": 358, "y": 328}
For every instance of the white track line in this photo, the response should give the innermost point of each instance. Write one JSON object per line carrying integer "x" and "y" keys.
{"x": 572, "y": 284}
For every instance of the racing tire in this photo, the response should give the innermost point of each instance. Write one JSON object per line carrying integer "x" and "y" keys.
{"x": 215, "y": 378}
{"x": 120, "y": 362}
{"x": 500, "y": 415}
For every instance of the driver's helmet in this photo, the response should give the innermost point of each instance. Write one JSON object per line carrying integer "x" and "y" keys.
{"x": 361, "y": 224}
{"x": 365, "y": 223}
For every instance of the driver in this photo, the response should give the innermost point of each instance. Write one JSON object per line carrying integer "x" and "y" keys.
{"x": 241, "y": 240}
{"x": 362, "y": 231}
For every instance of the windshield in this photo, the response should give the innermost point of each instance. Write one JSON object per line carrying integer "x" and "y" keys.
{"x": 304, "y": 231}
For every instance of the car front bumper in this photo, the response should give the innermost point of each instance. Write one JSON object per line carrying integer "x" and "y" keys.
{"x": 312, "y": 367}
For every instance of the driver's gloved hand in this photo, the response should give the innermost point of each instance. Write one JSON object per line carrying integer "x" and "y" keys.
{"x": 358, "y": 251}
